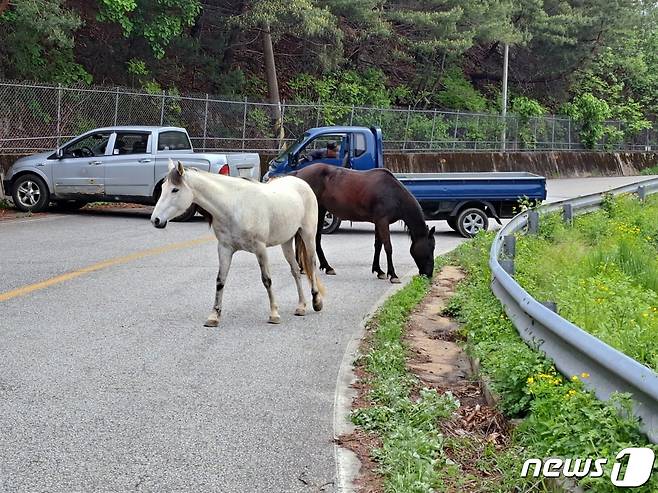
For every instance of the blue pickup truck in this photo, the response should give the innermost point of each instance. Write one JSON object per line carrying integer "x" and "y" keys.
{"x": 465, "y": 200}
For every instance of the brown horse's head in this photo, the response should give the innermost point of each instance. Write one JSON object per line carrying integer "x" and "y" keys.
{"x": 422, "y": 251}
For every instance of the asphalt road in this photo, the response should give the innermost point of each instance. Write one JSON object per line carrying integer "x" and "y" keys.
{"x": 110, "y": 382}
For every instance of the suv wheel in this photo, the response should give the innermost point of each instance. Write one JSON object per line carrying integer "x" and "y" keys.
{"x": 30, "y": 193}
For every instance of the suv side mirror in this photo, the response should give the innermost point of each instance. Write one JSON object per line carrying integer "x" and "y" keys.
{"x": 59, "y": 153}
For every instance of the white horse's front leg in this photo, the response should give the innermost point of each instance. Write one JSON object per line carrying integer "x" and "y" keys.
{"x": 261, "y": 254}
{"x": 225, "y": 256}
{"x": 289, "y": 254}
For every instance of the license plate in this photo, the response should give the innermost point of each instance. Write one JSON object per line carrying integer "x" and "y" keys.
{"x": 245, "y": 172}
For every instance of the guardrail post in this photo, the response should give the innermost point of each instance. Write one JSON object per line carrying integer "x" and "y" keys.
{"x": 641, "y": 193}
{"x": 551, "y": 305}
{"x": 508, "y": 266}
{"x": 533, "y": 222}
{"x": 509, "y": 246}
{"x": 567, "y": 213}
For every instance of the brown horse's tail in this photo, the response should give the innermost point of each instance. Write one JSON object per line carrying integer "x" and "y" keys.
{"x": 307, "y": 264}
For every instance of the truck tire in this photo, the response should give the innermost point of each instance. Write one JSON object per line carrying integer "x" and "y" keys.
{"x": 471, "y": 221}
{"x": 331, "y": 223}
{"x": 30, "y": 193}
{"x": 187, "y": 215}
{"x": 452, "y": 222}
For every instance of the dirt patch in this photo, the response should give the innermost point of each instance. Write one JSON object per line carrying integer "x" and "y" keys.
{"x": 437, "y": 358}
{"x": 113, "y": 205}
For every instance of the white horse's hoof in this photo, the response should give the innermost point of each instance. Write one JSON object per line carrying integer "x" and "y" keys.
{"x": 395, "y": 280}
{"x": 317, "y": 304}
{"x": 300, "y": 312}
{"x": 211, "y": 322}
{"x": 331, "y": 272}
{"x": 274, "y": 320}
{"x": 381, "y": 276}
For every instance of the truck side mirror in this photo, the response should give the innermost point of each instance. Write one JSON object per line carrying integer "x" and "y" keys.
{"x": 59, "y": 153}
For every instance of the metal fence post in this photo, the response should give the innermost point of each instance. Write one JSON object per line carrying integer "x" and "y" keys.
{"x": 352, "y": 116}
{"x": 569, "y": 132}
{"x": 553, "y": 135}
{"x": 406, "y": 129}
{"x": 59, "y": 113}
{"x": 477, "y": 128}
{"x": 317, "y": 119}
{"x": 454, "y": 135}
{"x": 641, "y": 193}
{"x": 433, "y": 126}
{"x": 205, "y": 123}
{"x": 116, "y": 107}
{"x": 162, "y": 108}
{"x": 244, "y": 123}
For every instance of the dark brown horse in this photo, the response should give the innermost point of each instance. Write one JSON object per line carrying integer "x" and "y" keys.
{"x": 374, "y": 196}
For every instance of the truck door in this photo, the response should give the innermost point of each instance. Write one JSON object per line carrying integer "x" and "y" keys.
{"x": 80, "y": 170}
{"x": 361, "y": 152}
{"x": 129, "y": 170}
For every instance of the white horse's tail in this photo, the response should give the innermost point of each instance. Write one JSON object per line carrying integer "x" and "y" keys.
{"x": 307, "y": 264}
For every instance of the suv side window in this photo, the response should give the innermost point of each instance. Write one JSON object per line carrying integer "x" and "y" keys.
{"x": 359, "y": 144}
{"x": 130, "y": 143}
{"x": 87, "y": 146}
{"x": 173, "y": 141}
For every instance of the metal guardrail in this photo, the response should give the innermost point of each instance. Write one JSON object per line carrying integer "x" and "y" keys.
{"x": 571, "y": 348}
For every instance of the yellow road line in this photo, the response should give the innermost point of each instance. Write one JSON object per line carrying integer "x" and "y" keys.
{"x": 29, "y": 288}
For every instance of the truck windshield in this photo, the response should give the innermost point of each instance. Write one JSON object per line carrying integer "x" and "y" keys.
{"x": 292, "y": 148}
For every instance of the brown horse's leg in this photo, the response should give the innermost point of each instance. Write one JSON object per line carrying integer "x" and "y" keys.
{"x": 324, "y": 265}
{"x": 385, "y": 236}
{"x": 375, "y": 261}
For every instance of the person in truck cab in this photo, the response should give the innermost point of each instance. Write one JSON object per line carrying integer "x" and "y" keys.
{"x": 331, "y": 151}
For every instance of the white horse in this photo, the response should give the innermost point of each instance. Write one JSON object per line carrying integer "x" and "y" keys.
{"x": 249, "y": 216}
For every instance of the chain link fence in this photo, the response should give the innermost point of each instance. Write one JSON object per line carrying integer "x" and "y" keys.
{"x": 37, "y": 118}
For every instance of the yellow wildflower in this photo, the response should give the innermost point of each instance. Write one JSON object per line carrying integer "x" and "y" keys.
{"x": 584, "y": 375}
{"x": 575, "y": 378}
{"x": 530, "y": 380}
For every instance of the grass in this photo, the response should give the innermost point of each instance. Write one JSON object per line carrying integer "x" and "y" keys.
{"x": 4, "y": 204}
{"x": 602, "y": 273}
{"x": 560, "y": 418}
{"x": 406, "y": 417}
{"x": 650, "y": 171}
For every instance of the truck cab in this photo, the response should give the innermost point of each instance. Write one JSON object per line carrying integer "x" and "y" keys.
{"x": 358, "y": 148}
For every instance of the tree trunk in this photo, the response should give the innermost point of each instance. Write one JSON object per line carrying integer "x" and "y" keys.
{"x": 4, "y": 5}
{"x": 273, "y": 86}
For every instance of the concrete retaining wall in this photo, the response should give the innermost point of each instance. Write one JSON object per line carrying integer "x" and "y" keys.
{"x": 548, "y": 164}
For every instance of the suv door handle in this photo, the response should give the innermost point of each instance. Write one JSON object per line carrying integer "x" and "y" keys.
{"x": 95, "y": 163}
{"x": 145, "y": 160}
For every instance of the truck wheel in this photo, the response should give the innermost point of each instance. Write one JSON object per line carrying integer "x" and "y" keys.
{"x": 471, "y": 221}
{"x": 331, "y": 223}
{"x": 30, "y": 193}
{"x": 187, "y": 215}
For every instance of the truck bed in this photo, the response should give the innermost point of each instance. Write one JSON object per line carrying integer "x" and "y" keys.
{"x": 492, "y": 186}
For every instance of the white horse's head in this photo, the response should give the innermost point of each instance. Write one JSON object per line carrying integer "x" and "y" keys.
{"x": 175, "y": 198}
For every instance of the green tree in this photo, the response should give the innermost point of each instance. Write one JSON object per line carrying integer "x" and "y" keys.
{"x": 157, "y": 21}
{"x": 38, "y": 42}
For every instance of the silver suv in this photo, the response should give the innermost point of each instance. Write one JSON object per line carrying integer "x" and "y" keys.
{"x": 114, "y": 164}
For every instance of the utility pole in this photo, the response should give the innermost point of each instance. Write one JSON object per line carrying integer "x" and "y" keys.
{"x": 504, "y": 109}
